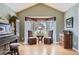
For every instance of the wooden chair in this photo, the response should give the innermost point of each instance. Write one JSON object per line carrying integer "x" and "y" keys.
{"x": 31, "y": 40}
{"x": 49, "y": 39}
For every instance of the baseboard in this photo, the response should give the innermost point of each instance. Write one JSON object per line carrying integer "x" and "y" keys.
{"x": 25, "y": 43}
{"x": 56, "y": 42}
{"x": 75, "y": 49}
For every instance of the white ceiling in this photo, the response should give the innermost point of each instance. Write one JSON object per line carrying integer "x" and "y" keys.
{"x": 17, "y": 7}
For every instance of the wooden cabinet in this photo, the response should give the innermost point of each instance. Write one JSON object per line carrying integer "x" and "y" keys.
{"x": 68, "y": 37}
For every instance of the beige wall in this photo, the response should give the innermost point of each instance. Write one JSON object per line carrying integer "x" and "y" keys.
{"x": 42, "y": 10}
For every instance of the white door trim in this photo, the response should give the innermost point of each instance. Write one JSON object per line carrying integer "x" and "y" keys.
{"x": 78, "y": 29}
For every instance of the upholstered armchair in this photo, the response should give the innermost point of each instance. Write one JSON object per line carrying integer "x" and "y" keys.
{"x": 31, "y": 40}
{"x": 49, "y": 39}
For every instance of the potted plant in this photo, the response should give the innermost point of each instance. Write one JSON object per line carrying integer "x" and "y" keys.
{"x": 12, "y": 17}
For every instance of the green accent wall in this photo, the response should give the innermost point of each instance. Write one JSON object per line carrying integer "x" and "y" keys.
{"x": 73, "y": 12}
{"x": 5, "y": 10}
{"x": 42, "y": 10}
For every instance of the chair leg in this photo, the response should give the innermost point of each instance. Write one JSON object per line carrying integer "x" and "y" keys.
{"x": 14, "y": 52}
{"x": 17, "y": 52}
{"x": 11, "y": 52}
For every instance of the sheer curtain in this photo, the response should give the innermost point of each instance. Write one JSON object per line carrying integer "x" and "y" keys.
{"x": 51, "y": 26}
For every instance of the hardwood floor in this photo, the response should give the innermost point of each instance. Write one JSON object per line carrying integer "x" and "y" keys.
{"x": 41, "y": 49}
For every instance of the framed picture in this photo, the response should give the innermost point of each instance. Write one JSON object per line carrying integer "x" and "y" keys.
{"x": 69, "y": 22}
